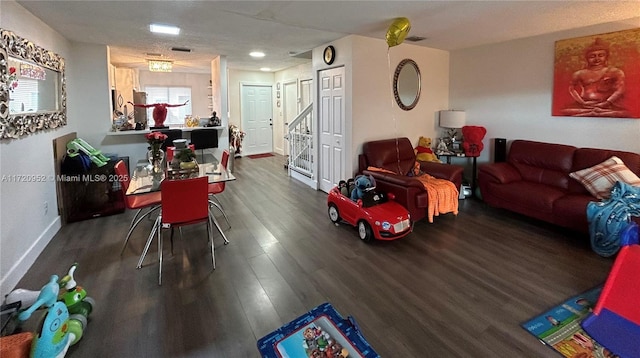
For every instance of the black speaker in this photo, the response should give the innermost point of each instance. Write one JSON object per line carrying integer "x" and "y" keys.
{"x": 499, "y": 150}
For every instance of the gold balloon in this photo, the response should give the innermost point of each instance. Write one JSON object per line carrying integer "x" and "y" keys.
{"x": 398, "y": 31}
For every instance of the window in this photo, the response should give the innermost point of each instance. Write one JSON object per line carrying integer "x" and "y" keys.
{"x": 171, "y": 95}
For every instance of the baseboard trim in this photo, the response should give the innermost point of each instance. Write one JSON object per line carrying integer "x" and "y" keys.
{"x": 303, "y": 178}
{"x": 22, "y": 265}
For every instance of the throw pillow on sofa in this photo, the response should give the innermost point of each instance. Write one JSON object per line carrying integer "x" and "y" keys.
{"x": 600, "y": 178}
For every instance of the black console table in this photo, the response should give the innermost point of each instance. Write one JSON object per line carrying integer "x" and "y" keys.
{"x": 473, "y": 171}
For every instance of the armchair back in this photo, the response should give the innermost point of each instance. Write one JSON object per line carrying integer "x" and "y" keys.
{"x": 394, "y": 154}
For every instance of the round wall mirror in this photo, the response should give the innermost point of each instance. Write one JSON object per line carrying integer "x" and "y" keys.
{"x": 406, "y": 84}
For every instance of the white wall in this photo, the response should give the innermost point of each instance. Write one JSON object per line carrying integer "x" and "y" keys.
{"x": 508, "y": 87}
{"x": 376, "y": 115}
{"x": 371, "y": 110}
{"x": 25, "y": 229}
{"x": 290, "y": 75}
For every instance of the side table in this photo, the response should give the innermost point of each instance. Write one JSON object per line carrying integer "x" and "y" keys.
{"x": 473, "y": 170}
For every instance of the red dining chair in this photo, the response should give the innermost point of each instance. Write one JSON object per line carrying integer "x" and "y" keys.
{"x": 217, "y": 188}
{"x": 184, "y": 202}
{"x": 150, "y": 201}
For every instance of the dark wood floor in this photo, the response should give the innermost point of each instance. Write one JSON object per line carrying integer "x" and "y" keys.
{"x": 459, "y": 287}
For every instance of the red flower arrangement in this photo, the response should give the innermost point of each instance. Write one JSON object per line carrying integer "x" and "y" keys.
{"x": 155, "y": 139}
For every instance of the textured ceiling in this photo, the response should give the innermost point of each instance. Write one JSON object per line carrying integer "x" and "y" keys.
{"x": 283, "y": 28}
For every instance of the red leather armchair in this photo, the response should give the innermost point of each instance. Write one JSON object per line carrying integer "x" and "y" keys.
{"x": 398, "y": 156}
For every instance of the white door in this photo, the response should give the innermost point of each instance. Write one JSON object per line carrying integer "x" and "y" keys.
{"x": 256, "y": 111}
{"x": 291, "y": 110}
{"x": 331, "y": 123}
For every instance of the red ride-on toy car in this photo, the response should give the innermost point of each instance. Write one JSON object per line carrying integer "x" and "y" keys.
{"x": 375, "y": 218}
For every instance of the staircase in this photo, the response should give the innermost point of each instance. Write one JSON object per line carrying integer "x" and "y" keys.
{"x": 300, "y": 138}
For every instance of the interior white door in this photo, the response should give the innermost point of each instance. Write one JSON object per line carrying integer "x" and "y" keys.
{"x": 256, "y": 111}
{"x": 331, "y": 123}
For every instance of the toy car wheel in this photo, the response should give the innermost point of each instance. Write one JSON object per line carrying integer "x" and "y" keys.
{"x": 364, "y": 231}
{"x": 334, "y": 215}
{"x": 80, "y": 319}
{"x": 82, "y": 308}
{"x": 91, "y": 302}
{"x": 75, "y": 330}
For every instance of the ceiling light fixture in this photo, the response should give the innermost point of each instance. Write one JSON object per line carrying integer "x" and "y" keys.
{"x": 164, "y": 29}
{"x": 256, "y": 54}
{"x": 160, "y": 66}
{"x": 265, "y": 69}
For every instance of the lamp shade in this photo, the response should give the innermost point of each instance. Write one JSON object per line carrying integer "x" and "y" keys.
{"x": 452, "y": 119}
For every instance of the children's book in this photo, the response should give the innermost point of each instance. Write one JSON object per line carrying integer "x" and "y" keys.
{"x": 321, "y": 332}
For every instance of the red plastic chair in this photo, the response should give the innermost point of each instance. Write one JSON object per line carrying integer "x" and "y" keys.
{"x": 149, "y": 201}
{"x": 184, "y": 202}
{"x": 217, "y": 188}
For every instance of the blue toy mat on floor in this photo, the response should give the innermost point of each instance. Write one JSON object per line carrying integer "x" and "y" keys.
{"x": 321, "y": 332}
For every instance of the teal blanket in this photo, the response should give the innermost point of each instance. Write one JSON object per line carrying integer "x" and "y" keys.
{"x": 608, "y": 218}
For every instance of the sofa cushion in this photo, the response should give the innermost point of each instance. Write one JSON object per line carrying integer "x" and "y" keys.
{"x": 600, "y": 178}
{"x": 545, "y": 163}
{"x": 534, "y": 196}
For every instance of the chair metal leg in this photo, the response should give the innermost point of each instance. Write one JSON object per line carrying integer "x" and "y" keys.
{"x": 156, "y": 226}
{"x": 213, "y": 203}
{"x": 160, "y": 255}
{"x": 215, "y": 222}
{"x": 215, "y": 198}
{"x": 134, "y": 224}
{"x": 210, "y": 235}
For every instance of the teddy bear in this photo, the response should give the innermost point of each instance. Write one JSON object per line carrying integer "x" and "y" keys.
{"x": 424, "y": 152}
{"x": 473, "y": 136}
{"x": 362, "y": 184}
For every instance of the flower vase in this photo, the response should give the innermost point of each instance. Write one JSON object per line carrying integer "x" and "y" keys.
{"x": 156, "y": 157}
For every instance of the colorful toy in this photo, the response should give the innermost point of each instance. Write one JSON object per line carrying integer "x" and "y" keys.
{"x": 473, "y": 136}
{"x": 382, "y": 220}
{"x": 615, "y": 321}
{"x": 78, "y": 144}
{"x": 362, "y": 184}
{"x": 424, "y": 153}
{"x": 58, "y": 330}
{"x": 75, "y": 297}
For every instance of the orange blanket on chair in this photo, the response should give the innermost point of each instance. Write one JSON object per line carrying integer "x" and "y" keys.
{"x": 443, "y": 196}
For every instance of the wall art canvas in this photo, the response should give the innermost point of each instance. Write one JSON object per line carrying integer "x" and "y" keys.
{"x": 598, "y": 76}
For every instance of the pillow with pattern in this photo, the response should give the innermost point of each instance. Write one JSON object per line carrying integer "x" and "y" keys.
{"x": 600, "y": 178}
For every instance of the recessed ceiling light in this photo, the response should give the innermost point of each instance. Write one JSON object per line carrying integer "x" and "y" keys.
{"x": 265, "y": 69}
{"x": 164, "y": 29}
{"x": 256, "y": 54}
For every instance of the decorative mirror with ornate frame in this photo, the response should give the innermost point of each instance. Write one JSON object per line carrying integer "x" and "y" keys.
{"x": 406, "y": 84}
{"x": 33, "y": 94}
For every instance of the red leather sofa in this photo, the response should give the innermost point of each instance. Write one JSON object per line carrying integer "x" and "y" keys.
{"x": 535, "y": 181}
{"x": 397, "y": 155}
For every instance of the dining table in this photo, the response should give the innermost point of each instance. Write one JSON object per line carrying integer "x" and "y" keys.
{"x": 145, "y": 180}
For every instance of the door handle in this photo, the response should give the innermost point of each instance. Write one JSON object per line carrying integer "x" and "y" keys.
{"x": 270, "y": 121}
